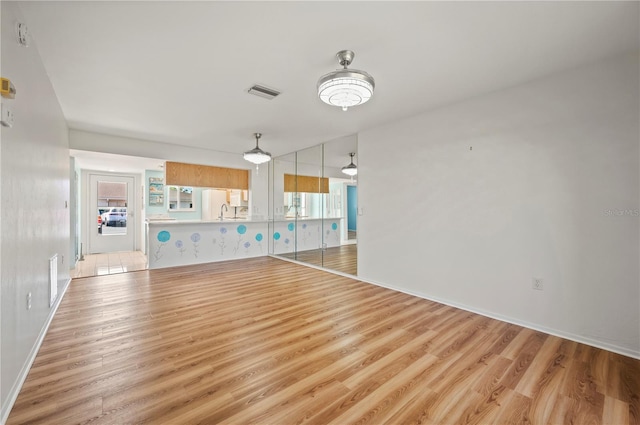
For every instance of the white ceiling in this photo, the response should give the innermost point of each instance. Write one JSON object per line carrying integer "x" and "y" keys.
{"x": 178, "y": 72}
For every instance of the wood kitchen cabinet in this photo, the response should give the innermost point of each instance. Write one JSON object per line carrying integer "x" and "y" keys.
{"x": 309, "y": 184}
{"x": 181, "y": 174}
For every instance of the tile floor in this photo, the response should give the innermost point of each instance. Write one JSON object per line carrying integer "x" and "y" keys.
{"x": 110, "y": 263}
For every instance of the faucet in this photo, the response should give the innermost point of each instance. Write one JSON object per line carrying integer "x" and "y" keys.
{"x": 221, "y": 213}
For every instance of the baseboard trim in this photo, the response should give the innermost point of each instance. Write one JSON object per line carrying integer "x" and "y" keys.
{"x": 572, "y": 337}
{"x": 22, "y": 376}
{"x": 567, "y": 335}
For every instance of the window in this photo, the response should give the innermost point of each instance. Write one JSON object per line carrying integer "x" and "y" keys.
{"x": 112, "y": 208}
{"x": 180, "y": 198}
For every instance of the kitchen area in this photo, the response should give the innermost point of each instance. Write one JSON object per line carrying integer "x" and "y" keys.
{"x": 306, "y": 220}
{"x": 181, "y": 213}
{"x": 209, "y": 215}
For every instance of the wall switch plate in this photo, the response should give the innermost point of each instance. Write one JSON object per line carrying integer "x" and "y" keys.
{"x": 537, "y": 284}
{"x": 29, "y": 301}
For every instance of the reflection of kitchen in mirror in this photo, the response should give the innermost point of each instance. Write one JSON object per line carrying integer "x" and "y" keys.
{"x": 320, "y": 205}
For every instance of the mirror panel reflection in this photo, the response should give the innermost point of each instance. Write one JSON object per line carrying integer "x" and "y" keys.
{"x": 314, "y": 206}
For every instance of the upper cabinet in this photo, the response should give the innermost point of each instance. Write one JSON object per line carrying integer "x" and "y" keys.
{"x": 308, "y": 184}
{"x": 237, "y": 198}
{"x": 181, "y": 174}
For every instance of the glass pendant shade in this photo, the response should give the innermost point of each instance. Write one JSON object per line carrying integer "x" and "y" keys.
{"x": 256, "y": 155}
{"x": 345, "y": 87}
{"x": 351, "y": 169}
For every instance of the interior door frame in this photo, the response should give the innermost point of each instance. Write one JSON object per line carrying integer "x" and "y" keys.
{"x": 89, "y": 216}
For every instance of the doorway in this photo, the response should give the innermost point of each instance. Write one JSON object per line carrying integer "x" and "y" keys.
{"x": 109, "y": 263}
{"x": 111, "y": 213}
{"x": 352, "y": 212}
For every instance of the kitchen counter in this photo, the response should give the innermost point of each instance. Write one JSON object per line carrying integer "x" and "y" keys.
{"x": 172, "y": 242}
{"x": 226, "y": 220}
{"x": 231, "y": 220}
{"x": 182, "y": 242}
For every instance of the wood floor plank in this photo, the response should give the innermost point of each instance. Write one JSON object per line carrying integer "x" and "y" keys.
{"x": 587, "y": 404}
{"x": 375, "y": 396}
{"x": 523, "y": 360}
{"x": 268, "y": 341}
{"x": 516, "y": 409}
{"x": 615, "y": 411}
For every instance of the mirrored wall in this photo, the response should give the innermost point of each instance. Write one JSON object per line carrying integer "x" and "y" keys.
{"x": 314, "y": 206}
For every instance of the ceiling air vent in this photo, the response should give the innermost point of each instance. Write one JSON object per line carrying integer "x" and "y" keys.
{"x": 263, "y": 91}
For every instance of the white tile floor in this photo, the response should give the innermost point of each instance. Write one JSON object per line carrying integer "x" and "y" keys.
{"x": 110, "y": 263}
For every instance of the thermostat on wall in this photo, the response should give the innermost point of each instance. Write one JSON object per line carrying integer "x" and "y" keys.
{"x": 6, "y": 117}
{"x": 7, "y": 89}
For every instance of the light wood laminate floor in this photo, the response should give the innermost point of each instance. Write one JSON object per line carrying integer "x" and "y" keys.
{"x": 266, "y": 341}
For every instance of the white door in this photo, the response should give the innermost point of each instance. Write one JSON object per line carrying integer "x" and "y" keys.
{"x": 111, "y": 213}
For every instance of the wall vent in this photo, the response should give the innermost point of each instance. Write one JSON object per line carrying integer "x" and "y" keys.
{"x": 263, "y": 91}
{"x": 53, "y": 279}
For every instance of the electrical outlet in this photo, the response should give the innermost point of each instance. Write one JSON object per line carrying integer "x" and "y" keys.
{"x": 537, "y": 283}
{"x": 29, "y": 301}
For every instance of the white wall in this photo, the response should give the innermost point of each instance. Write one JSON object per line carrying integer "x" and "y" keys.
{"x": 4, "y": 405}
{"x": 541, "y": 180}
{"x": 35, "y": 222}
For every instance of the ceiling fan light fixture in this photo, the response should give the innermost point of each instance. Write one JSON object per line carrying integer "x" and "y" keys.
{"x": 256, "y": 155}
{"x": 345, "y": 87}
{"x": 351, "y": 169}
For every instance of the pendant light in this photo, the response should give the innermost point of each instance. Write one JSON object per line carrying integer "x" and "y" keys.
{"x": 257, "y": 155}
{"x": 351, "y": 169}
{"x": 345, "y": 87}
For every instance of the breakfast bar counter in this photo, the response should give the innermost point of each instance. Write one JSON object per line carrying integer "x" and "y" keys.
{"x": 182, "y": 242}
